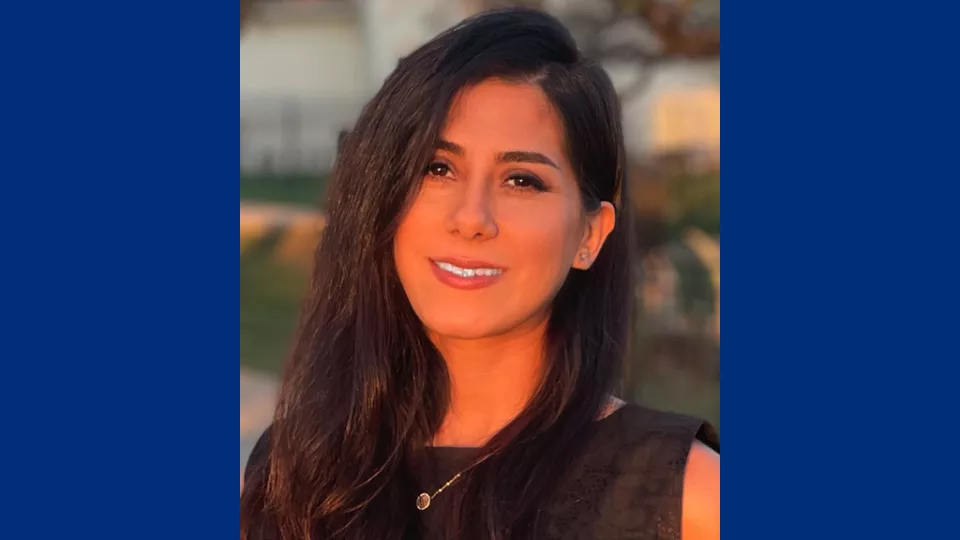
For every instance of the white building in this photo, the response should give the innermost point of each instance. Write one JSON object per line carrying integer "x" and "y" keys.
{"x": 302, "y": 78}
{"x": 308, "y": 66}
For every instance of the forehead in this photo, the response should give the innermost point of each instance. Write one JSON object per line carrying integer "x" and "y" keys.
{"x": 505, "y": 115}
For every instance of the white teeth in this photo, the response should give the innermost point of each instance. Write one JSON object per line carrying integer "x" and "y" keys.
{"x": 468, "y": 272}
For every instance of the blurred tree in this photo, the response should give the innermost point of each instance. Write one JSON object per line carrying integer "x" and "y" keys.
{"x": 681, "y": 28}
{"x": 639, "y": 32}
{"x": 246, "y": 7}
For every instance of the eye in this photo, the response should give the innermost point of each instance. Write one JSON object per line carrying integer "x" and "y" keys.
{"x": 438, "y": 168}
{"x": 526, "y": 182}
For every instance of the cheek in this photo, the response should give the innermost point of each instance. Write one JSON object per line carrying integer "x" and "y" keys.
{"x": 544, "y": 244}
{"x": 415, "y": 227}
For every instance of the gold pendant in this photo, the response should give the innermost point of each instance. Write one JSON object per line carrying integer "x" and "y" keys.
{"x": 423, "y": 501}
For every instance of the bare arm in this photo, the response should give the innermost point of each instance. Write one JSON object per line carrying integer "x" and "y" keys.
{"x": 701, "y": 495}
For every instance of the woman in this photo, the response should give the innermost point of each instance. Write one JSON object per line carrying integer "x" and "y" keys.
{"x": 453, "y": 371}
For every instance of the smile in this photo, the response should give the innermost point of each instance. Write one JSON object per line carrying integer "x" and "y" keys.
{"x": 468, "y": 272}
{"x": 466, "y": 275}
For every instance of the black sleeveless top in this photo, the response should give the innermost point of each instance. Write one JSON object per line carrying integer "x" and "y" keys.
{"x": 626, "y": 483}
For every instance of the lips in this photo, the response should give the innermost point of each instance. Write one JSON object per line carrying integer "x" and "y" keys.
{"x": 469, "y": 272}
{"x": 466, "y": 274}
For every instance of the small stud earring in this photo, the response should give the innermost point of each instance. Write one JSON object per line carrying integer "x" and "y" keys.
{"x": 583, "y": 256}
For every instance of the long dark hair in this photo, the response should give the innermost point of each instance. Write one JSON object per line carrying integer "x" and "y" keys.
{"x": 365, "y": 390}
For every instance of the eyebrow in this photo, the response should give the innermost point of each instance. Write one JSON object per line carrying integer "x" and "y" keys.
{"x": 512, "y": 156}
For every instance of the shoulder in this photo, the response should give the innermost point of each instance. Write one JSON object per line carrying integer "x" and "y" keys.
{"x": 681, "y": 453}
{"x": 633, "y": 474}
{"x": 259, "y": 461}
{"x": 261, "y": 450}
{"x": 701, "y": 494}
{"x": 657, "y": 435}
{"x": 256, "y": 523}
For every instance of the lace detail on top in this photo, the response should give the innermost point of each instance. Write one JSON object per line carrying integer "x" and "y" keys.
{"x": 627, "y": 482}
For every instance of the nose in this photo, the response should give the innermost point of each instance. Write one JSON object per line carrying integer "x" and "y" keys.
{"x": 471, "y": 215}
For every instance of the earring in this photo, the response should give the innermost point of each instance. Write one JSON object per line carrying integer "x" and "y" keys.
{"x": 584, "y": 256}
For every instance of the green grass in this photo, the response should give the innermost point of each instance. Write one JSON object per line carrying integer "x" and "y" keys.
{"x": 271, "y": 291}
{"x": 681, "y": 392}
{"x": 695, "y": 202}
{"x": 300, "y": 189}
{"x": 270, "y": 296}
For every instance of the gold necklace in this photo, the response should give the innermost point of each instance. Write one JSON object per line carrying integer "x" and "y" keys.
{"x": 424, "y": 499}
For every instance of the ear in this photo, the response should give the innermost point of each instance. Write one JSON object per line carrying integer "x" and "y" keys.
{"x": 598, "y": 227}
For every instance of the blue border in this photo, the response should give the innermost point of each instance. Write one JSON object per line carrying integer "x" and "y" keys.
{"x": 824, "y": 165}
{"x": 118, "y": 185}
{"x": 120, "y": 290}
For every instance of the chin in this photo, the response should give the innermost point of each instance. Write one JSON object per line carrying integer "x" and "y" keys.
{"x": 463, "y": 328}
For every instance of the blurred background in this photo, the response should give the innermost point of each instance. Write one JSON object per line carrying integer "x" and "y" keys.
{"x": 308, "y": 66}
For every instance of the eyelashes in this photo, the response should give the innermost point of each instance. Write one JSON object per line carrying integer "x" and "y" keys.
{"x": 516, "y": 181}
{"x": 526, "y": 182}
{"x": 437, "y": 169}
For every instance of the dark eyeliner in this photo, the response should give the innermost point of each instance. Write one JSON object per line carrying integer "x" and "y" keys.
{"x": 534, "y": 182}
{"x": 428, "y": 170}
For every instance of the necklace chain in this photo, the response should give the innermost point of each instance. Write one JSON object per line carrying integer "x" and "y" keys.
{"x": 424, "y": 499}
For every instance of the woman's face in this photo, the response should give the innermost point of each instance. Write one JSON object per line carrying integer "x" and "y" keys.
{"x": 498, "y": 222}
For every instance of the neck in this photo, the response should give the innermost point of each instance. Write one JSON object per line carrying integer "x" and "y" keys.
{"x": 492, "y": 380}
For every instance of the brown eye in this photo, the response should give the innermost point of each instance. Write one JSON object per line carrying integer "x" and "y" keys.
{"x": 526, "y": 182}
{"x": 438, "y": 168}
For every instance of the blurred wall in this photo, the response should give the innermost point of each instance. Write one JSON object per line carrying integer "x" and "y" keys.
{"x": 303, "y": 77}
{"x": 307, "y": 68}
{"x": 395, "y": 28}
{"x": 678, "y": 110}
